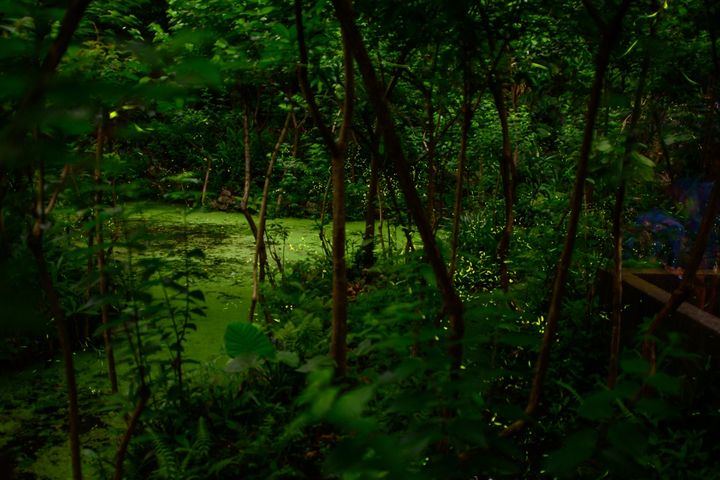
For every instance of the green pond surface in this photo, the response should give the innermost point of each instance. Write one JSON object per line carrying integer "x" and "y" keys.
{"x": 33, "y": 440}
{"x": 228, "y": 247}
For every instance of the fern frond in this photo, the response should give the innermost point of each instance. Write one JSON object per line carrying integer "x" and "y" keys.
{"x": 203, "y": 441}
{"x": 167, "y": 463}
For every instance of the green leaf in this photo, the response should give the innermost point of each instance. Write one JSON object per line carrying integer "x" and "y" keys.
{"x": 246, "y": 338}
{"x": 643, "y": 160}
{"x": 627, "y": 436}
{"x": 665, "y": 383}
{"x": 693, "y": 82}
{"x": 603, "y": 145}
{"x": 630, "y": 48}
{"x": 577, "y": 448}
{"x": 353, "y": 403}
{"x": 198, "y": 72}
{"x": 323, "y": 402}
{"x": 598, "y": 406}
{"x": 243, "y": 363}
{"x": 655, "y": 408}
{"x": 291, "y": 359}
{"x": 638, "y": 366}
{"x": 316, "y": 363}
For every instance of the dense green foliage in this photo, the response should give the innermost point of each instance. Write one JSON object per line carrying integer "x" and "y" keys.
{"x": 183, "y": 103}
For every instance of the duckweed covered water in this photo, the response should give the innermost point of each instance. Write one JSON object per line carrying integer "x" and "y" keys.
{"x": 33, "y": 412}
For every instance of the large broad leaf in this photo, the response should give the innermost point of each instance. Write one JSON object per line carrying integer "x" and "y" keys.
{"x": 246, "y": 338}
{"x": 577, "y": 448}
{"x": 243, "y": 363}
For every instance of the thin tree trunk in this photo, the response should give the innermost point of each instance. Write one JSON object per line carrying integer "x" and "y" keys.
{"x": 683, "y": 290}
{"x": 129, "y": 431}
{"x": 323, "y": 209}
{"x": 610, "y": 34}
{"x": 431, "y": 167}
{"x": 102, "y": 272}
{"x": 508, "y": 183}
{"x": 207, "y": 180}
{"x": 462, "y": 159}
{"x": 405, "y": 221}
{"x": 338, "y": 347}
{"x": 617, "y": 303}
{"x": 368, "y": 246}
{"x": 381, "y": 219}
{"x": 452, "y": 303}
{"x": 35, "y": 243}
{"x": 260, "y": 238}
{"x": 617, "y": 290}
{"x": 711, "y": 144}
{"x": 90, "y": 267}
{"x": 337, "y": 148}
{"x": 247, "y": 149}
{"x": 68, "y": 25}
{"x": 32, "y": 98}
{"x": 368, "y": 256}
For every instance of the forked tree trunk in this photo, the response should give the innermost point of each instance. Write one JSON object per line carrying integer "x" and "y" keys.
{"x": 451, "y": 301}
{"x": 260, "y": 239}
{"x": 35, "y": 243}
{"x": 337, "y": 148}
{"x": 32, "y": 98}
{"x": 247, "y": 149}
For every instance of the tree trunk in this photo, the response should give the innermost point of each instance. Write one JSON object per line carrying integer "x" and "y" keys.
{"x": 260, "y": 238}
{"x": 247, "y": 148}
{"x": 368, "y": 246}
{"x": 207, "y": 180}
{"x": 35, "y": 243}
{"x": 617, "y": 303}
{"x": 432, "y": 170}
{"x": 338, "y": 348}
{"x": 132, "y": 425}
{"x": 610, "y": 34}
{"x": 617, "y": 291}
{"x": 462, "y": 159}
{"x": 683, "y": 290}
{"x": 32, "y": 98}
{"x": 451, "y": 301}
{"x": 508, "y": 182}
{"x": 337, "y": 148}
{"x": 99, "y": 234}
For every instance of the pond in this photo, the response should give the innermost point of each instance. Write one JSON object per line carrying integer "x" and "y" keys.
{"x": 33, "y": 442}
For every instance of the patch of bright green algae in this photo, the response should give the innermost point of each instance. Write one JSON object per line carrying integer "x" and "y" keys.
{"x": 228, "y": 247}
